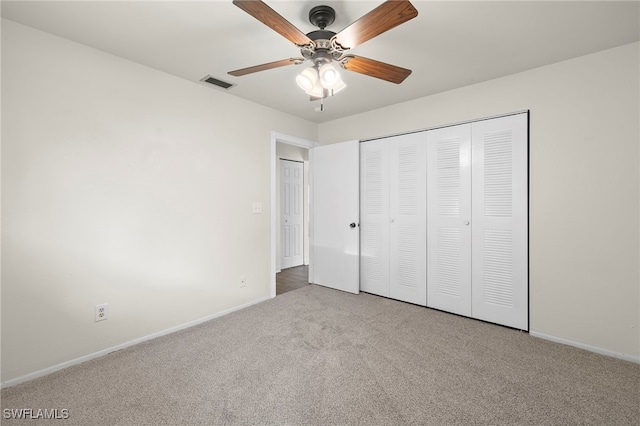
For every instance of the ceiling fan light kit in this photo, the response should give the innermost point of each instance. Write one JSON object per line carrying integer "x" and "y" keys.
{"x": 323, "y": 47}
{"x": 320, "y": 81}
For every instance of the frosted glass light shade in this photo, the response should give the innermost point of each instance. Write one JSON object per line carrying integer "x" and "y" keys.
{"x": 329, "y": 76}
{"x": 307, "y": 79}
{"x": 317, "y": 91}
{"x": 338, "y": 87}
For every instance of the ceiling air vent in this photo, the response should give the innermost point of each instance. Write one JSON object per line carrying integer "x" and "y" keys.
{"x": 216, "y": 82}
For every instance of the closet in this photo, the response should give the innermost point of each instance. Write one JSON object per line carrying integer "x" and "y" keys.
{"x": 393, "y": 217}
{"x": 477, "y": 220}
{"x": 444, "y": 219}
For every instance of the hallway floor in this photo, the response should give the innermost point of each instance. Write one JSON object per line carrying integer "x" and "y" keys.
{"x": 292, "y": 279}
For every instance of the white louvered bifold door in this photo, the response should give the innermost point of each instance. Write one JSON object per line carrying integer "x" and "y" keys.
{"x": 407, "y": 218}
{"x": 499, "y": 223}
{"x": 448, "y": 219}
{"x": 374, "y": 217}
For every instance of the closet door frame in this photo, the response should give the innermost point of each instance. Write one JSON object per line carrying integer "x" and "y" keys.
{"x": 470, "y": 303}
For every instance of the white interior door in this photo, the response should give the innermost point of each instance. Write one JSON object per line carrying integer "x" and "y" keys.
{"x": 449, "y": 219}
{"x": 407, "y": 218}
{"x": 374, "y": 217}
{"x": 500, "y": 221}
{"x": 291, "y": 213}
{"x": 335, "y": 239}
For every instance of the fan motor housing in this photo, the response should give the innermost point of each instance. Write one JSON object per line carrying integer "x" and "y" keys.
{"x": 321, "y": 35}
{"x": 322, "y": 16}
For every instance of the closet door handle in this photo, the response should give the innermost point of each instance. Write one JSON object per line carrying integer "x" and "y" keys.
{"x": 352, "y": 225}
{"x": 466, "y": 222}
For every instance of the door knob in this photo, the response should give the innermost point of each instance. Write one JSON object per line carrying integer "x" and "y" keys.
{"x": 352, "y": 225}
{"x": 466, "y": 222}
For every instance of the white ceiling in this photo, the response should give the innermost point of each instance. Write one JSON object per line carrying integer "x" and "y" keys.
{"x": 450, "y": 44}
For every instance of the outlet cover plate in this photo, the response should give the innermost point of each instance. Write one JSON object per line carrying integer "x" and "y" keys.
{"x": 102, "y": 312}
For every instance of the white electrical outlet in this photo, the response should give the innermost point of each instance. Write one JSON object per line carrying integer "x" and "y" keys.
{"x": 102, "y": 312}
{"x": 243, "y": 281}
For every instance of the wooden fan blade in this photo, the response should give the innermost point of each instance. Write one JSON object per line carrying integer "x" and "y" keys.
{"x": 273, "y": 20}
{"x": 375, "y": 69}
{"x": 264, "y": 67}
{"x": 388, "y": 15}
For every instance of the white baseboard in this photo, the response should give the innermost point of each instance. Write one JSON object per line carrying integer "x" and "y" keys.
{"x": 76, "y": 361}
{"x": 584, "y": 346}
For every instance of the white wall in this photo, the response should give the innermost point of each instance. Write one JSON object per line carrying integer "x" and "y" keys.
{"x": 127, "y": 186}
{"x": 295, "y": 153}
{"x": 584, "y": 186}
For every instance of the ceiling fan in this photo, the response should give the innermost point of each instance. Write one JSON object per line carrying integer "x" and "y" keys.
{"x": 322, "y": 47}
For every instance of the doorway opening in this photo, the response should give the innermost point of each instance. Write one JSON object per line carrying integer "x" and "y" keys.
{"x": 287, "y": 276}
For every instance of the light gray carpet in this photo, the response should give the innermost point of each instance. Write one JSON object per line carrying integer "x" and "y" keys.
{"x": 323, "y": 357}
